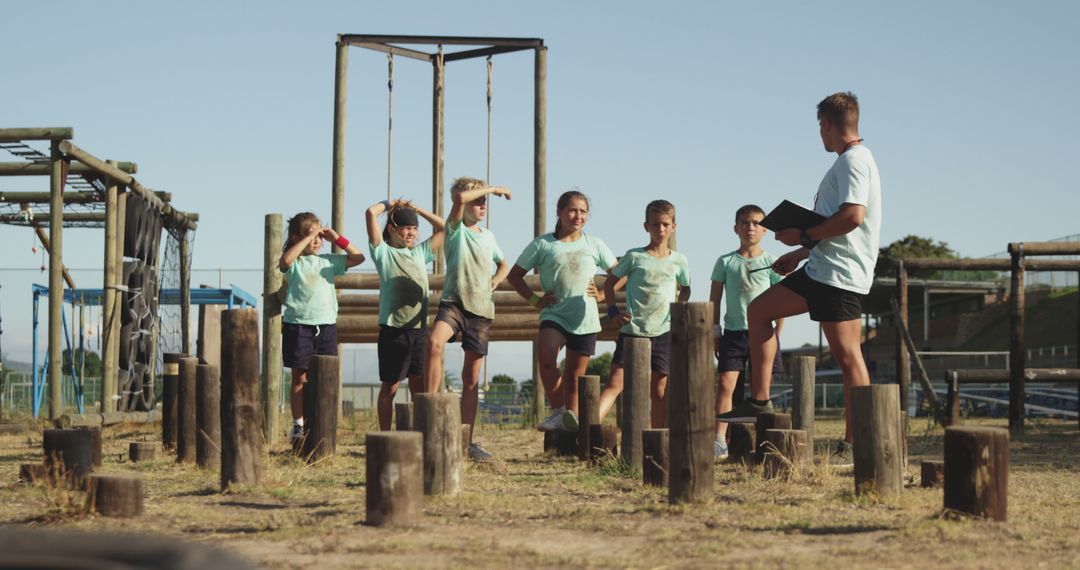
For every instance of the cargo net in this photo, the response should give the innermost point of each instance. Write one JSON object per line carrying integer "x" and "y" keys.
{"x": 139, "y": 297}
{"x": 169, "y": 322}
{"x": 85, "y": 211}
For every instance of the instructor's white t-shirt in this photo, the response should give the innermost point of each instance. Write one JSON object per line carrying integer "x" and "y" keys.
{"x": 847, "y": 261}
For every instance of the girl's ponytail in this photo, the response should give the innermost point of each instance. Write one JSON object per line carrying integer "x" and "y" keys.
{"x": 563, "y": 201}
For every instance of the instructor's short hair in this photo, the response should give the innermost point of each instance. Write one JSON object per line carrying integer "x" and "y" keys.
{"x": 841, "y": 109}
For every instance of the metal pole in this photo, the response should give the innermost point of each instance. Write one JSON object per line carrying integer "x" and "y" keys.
{"x": 185, "y": 292}
{"x": 56, "y": 279}
{"x": 1017, "y": 355}
{"x": 108, "y": 354}
{"x": 438, "y": 132}
{"x": 539, "y": 190}
{"x": 926, "y": 315}
{"x": 271, "y": 354}
{"x": 337, "y": 202}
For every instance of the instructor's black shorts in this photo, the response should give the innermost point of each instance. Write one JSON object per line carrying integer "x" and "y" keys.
{"x": 580, "y": 343}
{"x": 402, "y": 353}
{"x": 661, "y": 352}
{"x": 470, "y": 328}
{"x": 300, "y": 342}
{"x": 827, "y": 304}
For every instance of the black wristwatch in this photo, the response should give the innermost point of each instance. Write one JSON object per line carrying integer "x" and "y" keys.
{"x": 805, "y": 241}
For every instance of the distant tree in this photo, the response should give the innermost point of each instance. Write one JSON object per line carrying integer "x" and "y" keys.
{"x": 912, "y": 246}
{"x": 598, "y": 366}
{"x": 92, "y": 363}
{"x": 525, "y": 391}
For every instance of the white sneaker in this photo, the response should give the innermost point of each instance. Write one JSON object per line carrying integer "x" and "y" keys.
{"x": 553, "y": 422}
{"x": 720, "y": 450}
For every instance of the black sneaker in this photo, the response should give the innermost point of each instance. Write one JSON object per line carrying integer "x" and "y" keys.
{"x": 746, "y": 411}
{"x": 297, "y": 432}
{"x": 841, "y": 456}
{"x": 478, "y": 453}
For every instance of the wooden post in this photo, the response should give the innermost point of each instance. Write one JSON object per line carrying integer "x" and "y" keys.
{"x": 654, "y": 452}
{"x": 603, "y": 441}
{"x": 438, "y": 417}
{"x": 741, "y": 442}
{"x": 68, "y": 453}
{"x": 1017, "y": 355}
{"x": 337, "y": 175}
{"x": 764, "y": 423}
{"x": 186, "y": 428}
{"x": 320, "y": 407}
{"x": 802, "y": 407}
{"x": 690, "y": 397}
{"x": 208, "y": 417}
{"x": 142, "y": 450}
{"x": 438, "y": 103}
{"x": 95, "y": 445}
{"x": 56, "y": 281}
{"x": 403, "y": 416}
{"x": 208, "y": 343}
{"x": 538, "y": 406}
{"x": 117, "y": 316}
{"x": 170, "y": 382}
{"x": 589, "y": 411}
{"x": 271, "y": 352}
{"x": 395, "y": 477}
{"x": 785, "y": 452}
{"x": 877, "y": 447}
{"x": 116, "y": 495}
{"x": 241, "y": 426}
{"x": 933, "y": 474}
{"x": 561, "y": 442}
{"x": 903, "y": 359}
{"x": 636, "y": 405}
{"x": 952, "y": 398}
{"x": 540, "y": 143}
{"x": 109, "y": 366}
{"x": 977, "y": 471}
{"x": 185, "y": 292}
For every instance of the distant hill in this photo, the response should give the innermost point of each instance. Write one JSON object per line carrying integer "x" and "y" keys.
{"x": 17, "y": 366}
{"x": 1050, "y": 321}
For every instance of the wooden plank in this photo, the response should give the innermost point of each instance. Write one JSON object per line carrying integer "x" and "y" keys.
{"x": 483, "y": 52}
{"x": 1045, "y": 248}
{"x": 993, "y": 375}
{"x": 36, "y": 134}
{"x": 354, "y": 39}
{"x": 395, "y": 50}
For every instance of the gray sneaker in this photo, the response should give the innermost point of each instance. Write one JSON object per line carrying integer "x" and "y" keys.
{"x": 478, "y": 453}
{"x": 569, "y": 421}
{"x": 296, "y": 433}
{"x": 720, "y": 450}
{"x": 746, "y": 411}
{"x": 841, "y": 456}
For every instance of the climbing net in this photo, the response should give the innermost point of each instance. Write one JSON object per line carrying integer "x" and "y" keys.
{"x": 169, "y": 321}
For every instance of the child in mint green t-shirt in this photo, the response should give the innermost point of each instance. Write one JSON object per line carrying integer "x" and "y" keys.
{"x": 474, "y": 268}
{"x": 309, "y": 315}
{"x": 567, "y": 261}
{"x": 651, "y": 275}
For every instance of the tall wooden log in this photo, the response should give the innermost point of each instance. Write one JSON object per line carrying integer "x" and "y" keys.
{"x": 320, "y": 407}
{"x": 1017, "y": 354}
{"x": 170, "y": 384}
{"x": 67, "y": 453}
{"x": 116, "y": 495}
{"x": 241, "y": 417}
{"x": 636, "y": 405}
{"x": 142, "y": 450}
{"x": 802, "y": 407}
{"x": 403, "y": 416}
{"x": 932, "y": 474}
{"x": 741, "y": 442}
{"x": 208, "y": 417}
{"x": 764, "y": 423}
{"x": 109, "y": 342}
{"x": 270, "y": 385}
{"x": 654, "y": 455}
{"x": 877, "y": 448}
{"x": 95, "y": 444}
{"x": 395, "y": 477}
{"x": 56, "y": 281}
{"x": 438, "y": 417}
{"x": 786, "y": 452}
{"x": 588, "y": 411}
{"x": 977, "y": 471}
{"x": 187, "y": 429}
{"x": 690, "y": 397}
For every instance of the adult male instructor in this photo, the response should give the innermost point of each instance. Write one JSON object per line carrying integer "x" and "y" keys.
{"x": 842, "y": 251}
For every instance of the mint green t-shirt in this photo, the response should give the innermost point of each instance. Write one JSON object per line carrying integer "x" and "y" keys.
{"x": 310, "y": 298}
{"x": 403, "y": 283}
{"x": 740, "y": 286}
{"x": 650, "y": 289}
{"x": 566, "y": 268}
{"x": 470, "y": 263}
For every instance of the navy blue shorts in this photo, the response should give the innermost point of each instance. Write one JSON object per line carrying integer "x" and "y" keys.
{"x": 300, "y": 342}
{"x": 402, "y": 353}
{"x": 661, "y": 352}
{"x": 735, "y": 351}
{"x": 580, "y": 343}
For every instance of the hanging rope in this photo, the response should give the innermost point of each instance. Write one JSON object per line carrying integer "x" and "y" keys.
{"x": 487, "y": 181}
{"x": 389, "y": 118}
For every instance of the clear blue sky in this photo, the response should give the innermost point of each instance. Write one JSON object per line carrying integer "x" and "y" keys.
{"x": 969, "y": 108}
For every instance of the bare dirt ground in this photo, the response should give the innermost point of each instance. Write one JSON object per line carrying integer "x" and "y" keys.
{"x": 526, "y": 509}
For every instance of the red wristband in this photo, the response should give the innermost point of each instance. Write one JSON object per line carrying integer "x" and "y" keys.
{"x": 341, "y": 242}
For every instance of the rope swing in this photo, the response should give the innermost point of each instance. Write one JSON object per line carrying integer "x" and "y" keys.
{"x": 389, "y": 118}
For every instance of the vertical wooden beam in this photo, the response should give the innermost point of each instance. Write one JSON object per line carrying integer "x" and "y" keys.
{"x": 56, "y": 279}
{"x": 655, "y": 461}
{"x": 637, "y": 407}
{"x": 1017, "y": 356}
{"x": 117, "y": 317}
{"x": 337, "y": 177}
{"x": 170, "y": 390}
{"x": 241, "y": 429}
{"x": 438, "y": 417}
{"x": 538, "y": 387}
{"x": 395, "y": 477}
{"x": 903, "y": 359}
{"x": 208, "y": 417}
{"x": 802, "y": 408}
{"x": 588, "y": 411}
{"x": 977, "y": 471}
{"x": 185, "y": 292}
{"x": 186, "y": 402}
{"x": 877, "y": 447}
{"x": 271, "y": 348}
{"x": 438, "y": 104}
{"x": 320, "y": 407}
{"x": 108, "y": 333}
{"x": 539, "y": 190}
{"x": 690, "y": 403}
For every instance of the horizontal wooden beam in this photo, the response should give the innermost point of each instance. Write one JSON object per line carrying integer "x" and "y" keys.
{"x": 370, "y": 282}
{"x": 989, "y": 264}
{"x": 1046, "y": 247}
{"x": 42, "y": 169}
{"x": 992, "y": 375}
{"x": 396, "y": 50}
{"x": 69, "y": 197}
{"x": 482, "y": 52}
{"x": 519, "y": 335}
{"x": 36, "y": 134}
{"x": 353, "y": 39}
{"x": 503, "y": 299}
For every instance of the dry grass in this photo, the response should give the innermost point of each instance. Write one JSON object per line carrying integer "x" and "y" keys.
{"x": 528, "y": 509}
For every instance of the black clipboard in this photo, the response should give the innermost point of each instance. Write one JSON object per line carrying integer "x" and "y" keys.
{"x": 791, "y": 215}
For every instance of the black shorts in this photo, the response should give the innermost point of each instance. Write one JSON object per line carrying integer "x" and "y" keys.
{"x": 827, "y": 304}
{"x": 735, "y": 351}
{"x": 579, "y": 343}
{"x": 300, "y": 342}
{"x": 402, "y": 353}
{"x": 470, "y": 329}
{"x": 661, "y": 351}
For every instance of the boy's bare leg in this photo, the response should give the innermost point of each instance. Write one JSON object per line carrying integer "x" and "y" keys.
{"x": 611, "y": 391}
{"x": 296, "y": 397}
{"x": 658, "y": 397}
{"x": 386, "y": 404}
{"x": 436, "y": 345}
{"x": 470, "y": 388}
{"x": 725, "y": 389}
{"x": 548, "y": 345}
{"x": 845, "y": 338}
{"x": 778, "y": 302}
